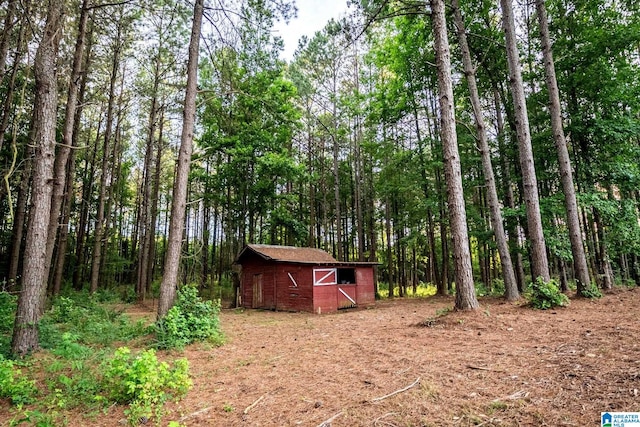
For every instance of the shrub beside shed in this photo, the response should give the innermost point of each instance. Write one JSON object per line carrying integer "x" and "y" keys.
{"x": 289, "y": 278}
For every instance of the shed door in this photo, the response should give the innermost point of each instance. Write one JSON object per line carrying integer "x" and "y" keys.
{"x": 346, "y": 296}
{"x": 257, "y": 291}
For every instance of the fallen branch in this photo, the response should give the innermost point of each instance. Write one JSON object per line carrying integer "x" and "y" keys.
{"x": 327, "y": 422}
{"x": 250, "y": 407}
{"x": 521, "y": 394}
{"x": 482, "y": 368}
{"x": 478, "y": 368}
{"x": 193, "y": 414}
{"x": 402, "y": 390}
{"x": 379, "y": 419}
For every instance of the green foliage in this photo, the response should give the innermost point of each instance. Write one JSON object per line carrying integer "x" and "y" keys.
{"x": 592, "y": 292}
{"x": 545, "y": 295}
{"x": 423, "y": 290}
{"x": 90, "y": 322}
{"x": 190, "y": 320}
{"x": 144, "y": 383}
{"x": 8, "y": 304}
{"x": 14, "y": 385}
{"x": 495, "y": 290}
{"x": 79, "y": 370}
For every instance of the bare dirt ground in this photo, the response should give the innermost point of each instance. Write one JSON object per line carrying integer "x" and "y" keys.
{"x": 504, "y": 365}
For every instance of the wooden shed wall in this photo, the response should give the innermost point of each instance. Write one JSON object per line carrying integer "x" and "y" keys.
{"x": 249, "y": 270}
{"x": 366, "y": 292}
{"x": 290, "y": 287}
{"x": 296, "y": 296}
{"x": 279, "y": 291}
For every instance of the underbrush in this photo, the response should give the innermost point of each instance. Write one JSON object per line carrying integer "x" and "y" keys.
{"x": 423, "y": 290}
{"x": 190, "y": 320}
{"x": 86, "y": 362}
{"x": 545, "y": 295}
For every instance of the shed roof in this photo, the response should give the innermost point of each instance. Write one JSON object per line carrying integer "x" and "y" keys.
{"x": 288, "y": 254}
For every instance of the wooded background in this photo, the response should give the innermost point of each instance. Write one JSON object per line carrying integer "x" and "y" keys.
{"x": 341, "y": 148}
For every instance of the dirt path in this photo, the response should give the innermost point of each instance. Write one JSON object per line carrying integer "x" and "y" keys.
{"x": 501, "y": 366}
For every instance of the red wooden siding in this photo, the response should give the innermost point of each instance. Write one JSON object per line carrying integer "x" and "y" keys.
{"x": 304, "y": 286}
{"x": 365, "y": 291}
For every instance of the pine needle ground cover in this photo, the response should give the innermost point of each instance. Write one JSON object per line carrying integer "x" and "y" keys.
{"x": 504, "y": 365}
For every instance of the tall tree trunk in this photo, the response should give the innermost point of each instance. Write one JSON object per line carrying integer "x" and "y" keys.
{"x": 510, "y": 284}
{"x": 509, "y": 199}
{"x": 336, "y": 196}
{"x": 145, "y": 210}
{"x": 19, "y": 221}
{"x": 387, "y": 233}
{"x": 83, "y": 227}
{"x": 62, "y": 155}
{"x": 34, "y": 280}
{"x": 465, "y": 290}
{"x": 114, "y": 178}
{"x": 580, "y": 268}
{"x": 604, "y": 263}
{"x": 99, "y": 232}
{"x": 6, "y": 34}
{"x": 70, "y": 175}
{"x": 155, "y": 196}
{"x": 172, "y": 260}
{"x": 312, "y": 241}
{"x": 539, "y": 262}
{"x": 21, "y": 48}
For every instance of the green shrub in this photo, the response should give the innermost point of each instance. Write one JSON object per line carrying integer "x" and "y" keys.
{"x": 190, "y": 320}
{"x": 591, "y": 291}
{"x": 496, "y": 289}
{"x": 545, "y": 295}
{"x": 8, "y": 304}
{"x": 14, "y": 385}
{"x": 90, "y": 322}
{"x": 144, "y": 383}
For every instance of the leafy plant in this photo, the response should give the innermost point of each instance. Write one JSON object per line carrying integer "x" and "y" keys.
{"x": 88, "y": 320}
{"x": 592, "y": 292}
{"x": 8, "y": 304}
{"x": 545, "y": 295}
{"x": 14, "y": 385}
{"x": 190, "y": 320}
{"x": 144, "y": 383}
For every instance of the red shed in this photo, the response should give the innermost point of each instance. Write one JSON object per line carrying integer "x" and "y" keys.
{"x": 302, "y": 279}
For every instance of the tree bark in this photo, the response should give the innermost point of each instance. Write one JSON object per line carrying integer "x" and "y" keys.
{"x": 580, "y": 268}
{"x": 513, "y": 226}
{"x": 99, "y": 232}
{"x": 34, "y": 280}
{"x": 6, "y": 34}
{"x": 155, "y": 191}
{"x": 510, "y": 284}
{"x": 62, "y": 155}
{"x": 19, "y": 221}
{"x": 21, "y": 49}
{"x": 174, "y": 245}
{"x": 83, "y": 227}
{"x": 465, "y": 290}
{"x": 540, "y": 264}
{"x": 69, "y": 195}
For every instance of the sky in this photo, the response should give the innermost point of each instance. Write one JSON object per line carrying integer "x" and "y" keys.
{"x": 312, "y": 17}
